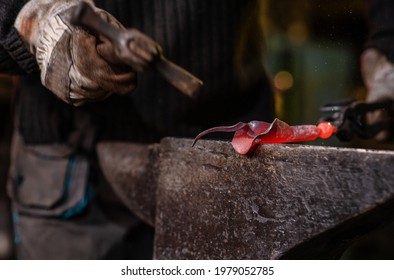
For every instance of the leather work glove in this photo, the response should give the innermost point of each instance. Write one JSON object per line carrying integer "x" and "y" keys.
{"x": 378, "y": 75}
{"x": 74, "y": 64}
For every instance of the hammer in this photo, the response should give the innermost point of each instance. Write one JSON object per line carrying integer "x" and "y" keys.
{"x": 85, "y": 17}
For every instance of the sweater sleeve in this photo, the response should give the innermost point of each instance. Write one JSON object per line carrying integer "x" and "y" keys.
{"x": 15, "y": 58}
{"x": 380, "y": 18}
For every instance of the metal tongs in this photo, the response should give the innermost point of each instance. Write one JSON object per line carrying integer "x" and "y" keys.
{"x": 85, "y": 17}
{"x": 349, "y": 117}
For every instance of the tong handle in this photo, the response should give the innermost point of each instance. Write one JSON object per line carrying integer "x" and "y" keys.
{"x": 349, "y": 116}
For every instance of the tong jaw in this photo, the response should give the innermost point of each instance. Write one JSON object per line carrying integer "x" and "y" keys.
{"x": 349, "y": 117}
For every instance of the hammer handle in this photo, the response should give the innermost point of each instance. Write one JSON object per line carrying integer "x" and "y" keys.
{"x": 84, "y": 16}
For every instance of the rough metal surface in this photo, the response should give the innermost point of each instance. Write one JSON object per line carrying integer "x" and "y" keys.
{"x": 215, "y": 204}
{"x": 131, "y": 169}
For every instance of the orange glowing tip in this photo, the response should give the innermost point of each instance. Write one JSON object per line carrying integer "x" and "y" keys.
{"x": 326, "y": 130}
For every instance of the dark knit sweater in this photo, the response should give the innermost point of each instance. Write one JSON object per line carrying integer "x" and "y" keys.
{"x": 201, "y": 36}
{"x": 14, "y": 56}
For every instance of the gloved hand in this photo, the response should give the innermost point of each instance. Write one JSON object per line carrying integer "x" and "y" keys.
{"x": 73, "y": 63}
{"x": 378, "y": 75}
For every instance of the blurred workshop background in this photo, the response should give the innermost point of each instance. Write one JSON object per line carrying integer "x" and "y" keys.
{"x": 312, "y": 54}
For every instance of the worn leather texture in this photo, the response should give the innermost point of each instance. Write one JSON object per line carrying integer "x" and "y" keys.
{"x": 70, "y": 64}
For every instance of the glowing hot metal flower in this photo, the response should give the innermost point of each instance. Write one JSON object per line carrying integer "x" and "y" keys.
{"x": 248, "y": 135}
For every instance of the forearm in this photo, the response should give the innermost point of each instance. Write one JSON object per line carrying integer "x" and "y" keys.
{"x": 14, "y": 56}
{"x": 381, "y": 26}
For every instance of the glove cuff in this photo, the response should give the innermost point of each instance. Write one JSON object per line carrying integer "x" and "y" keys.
{"x": 48, "y": 40}
{"x": 54, "y": 67}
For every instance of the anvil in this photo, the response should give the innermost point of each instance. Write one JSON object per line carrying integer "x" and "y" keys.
{"x": 283, "y": 201}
